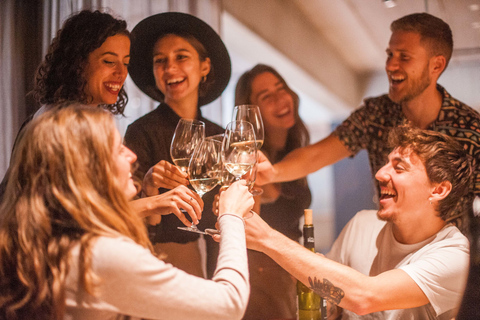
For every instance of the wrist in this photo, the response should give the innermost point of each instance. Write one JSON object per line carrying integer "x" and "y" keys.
{"x": 231, "y": 215}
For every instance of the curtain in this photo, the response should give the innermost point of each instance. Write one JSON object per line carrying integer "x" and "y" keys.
{"x": 27, "y": 28}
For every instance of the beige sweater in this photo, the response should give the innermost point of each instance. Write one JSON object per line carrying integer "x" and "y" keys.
{"x": 135, "y": 283}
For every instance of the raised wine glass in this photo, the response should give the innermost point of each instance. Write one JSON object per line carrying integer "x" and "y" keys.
{"x": 204, "y": 171}
{"x": 251, "y": 113}
{"x": 239, "y": 150}
{"x": 188, "y": 134}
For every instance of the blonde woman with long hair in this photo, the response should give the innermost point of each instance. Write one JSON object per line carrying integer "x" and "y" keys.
{"x": 71, "y": 247}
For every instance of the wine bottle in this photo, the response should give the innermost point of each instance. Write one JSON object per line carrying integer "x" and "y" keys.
{"x": 309, "y": 304}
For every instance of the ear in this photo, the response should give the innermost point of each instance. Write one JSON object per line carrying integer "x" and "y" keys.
{"x": 205, "y": 67}
{"x": 437, "y": 65}
{"x": 441, "y": 191}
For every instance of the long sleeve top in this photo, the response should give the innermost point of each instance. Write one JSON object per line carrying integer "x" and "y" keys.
{"x": 132, "y": 282}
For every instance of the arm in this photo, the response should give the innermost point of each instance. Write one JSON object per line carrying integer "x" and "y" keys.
{"x": 303, "y": 161}
{"x": 156, "y": 289}
{"x": 337, "y": 283}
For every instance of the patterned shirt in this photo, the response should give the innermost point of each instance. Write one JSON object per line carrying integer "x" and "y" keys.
{"x": 368, "y": 128}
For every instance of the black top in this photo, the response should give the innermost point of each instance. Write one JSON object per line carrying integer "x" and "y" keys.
{"x": 150, "y": 137}
{"x": 284, "y": 214}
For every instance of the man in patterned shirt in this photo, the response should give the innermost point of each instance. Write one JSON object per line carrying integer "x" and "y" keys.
{"x": 419, "y": 50}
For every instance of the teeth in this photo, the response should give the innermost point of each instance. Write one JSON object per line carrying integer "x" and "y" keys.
{"x": 387, "y": 193}
{"x": 173, "y": 81}
{"x": 397, "y": 78}
{"x": 115, "y": 87}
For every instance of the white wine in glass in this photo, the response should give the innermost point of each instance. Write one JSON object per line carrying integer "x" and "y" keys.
{"x": 239, "y": 148}
{"x": 205, "y": 168}
{"x": 252, "y": 114}
{"x": 188, "y": 134}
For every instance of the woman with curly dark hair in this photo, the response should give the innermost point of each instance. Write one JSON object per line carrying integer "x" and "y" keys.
{"x": 86, "y": 62}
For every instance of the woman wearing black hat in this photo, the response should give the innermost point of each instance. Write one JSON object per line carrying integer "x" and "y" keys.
{"x": 180, "y": 61}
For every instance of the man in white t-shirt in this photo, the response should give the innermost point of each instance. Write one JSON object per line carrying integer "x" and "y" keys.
{"x": 407, "y": 261}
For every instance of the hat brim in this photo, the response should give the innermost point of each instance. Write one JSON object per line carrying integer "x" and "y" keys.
{"x": 146, "y": 33}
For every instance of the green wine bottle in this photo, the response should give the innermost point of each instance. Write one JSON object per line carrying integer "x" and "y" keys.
{"x": 309, "y": 304}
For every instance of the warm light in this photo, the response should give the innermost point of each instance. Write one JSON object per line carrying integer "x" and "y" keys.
{"x": 474, "y": 7}
{"x": 389, "y": 3}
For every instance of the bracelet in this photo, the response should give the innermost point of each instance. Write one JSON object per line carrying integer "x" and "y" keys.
{"x": 233, "y": 215}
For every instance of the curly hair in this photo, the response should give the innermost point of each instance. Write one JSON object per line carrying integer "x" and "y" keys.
{"x": 52, "y": 204}
{"x": 444, "y": 160}
{"x": 60, "y": 77}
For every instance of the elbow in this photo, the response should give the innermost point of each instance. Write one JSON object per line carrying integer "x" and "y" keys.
{"x": 363, "y": 304}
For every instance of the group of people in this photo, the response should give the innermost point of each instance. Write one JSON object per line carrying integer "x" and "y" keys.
{"x": 85, "y": 236}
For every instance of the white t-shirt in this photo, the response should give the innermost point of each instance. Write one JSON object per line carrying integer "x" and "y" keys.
{"x": 134, "y": 282}
{"x": 439, "y": 265}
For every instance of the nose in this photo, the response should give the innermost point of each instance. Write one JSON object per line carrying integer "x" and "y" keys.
{"x": 382, "y": 173}
{"x": 121, "y": 70}
{"x": 131, "y": 156}
{"x": 391, "y": 64}
{"x": 170, "y": 64}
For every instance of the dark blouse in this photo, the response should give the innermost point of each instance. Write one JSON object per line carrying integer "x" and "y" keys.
{"x": 150, "y": 137}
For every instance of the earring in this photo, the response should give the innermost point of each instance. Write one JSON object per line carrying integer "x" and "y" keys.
{"x": 430, "y": 200}
{"x": 204, "y": 79}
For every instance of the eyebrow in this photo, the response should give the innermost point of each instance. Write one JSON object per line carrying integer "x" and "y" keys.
{"x": 402, "y": 161}
{"x": 113, "y": 54}
{"x": 176, "y": 51}
{"x": 279, "y": 83}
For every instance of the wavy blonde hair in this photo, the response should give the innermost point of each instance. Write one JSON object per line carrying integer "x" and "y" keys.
{"x": 62, "y": 191}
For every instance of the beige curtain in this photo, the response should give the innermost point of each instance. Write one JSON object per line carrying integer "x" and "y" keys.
{"x": 27, "y": 28}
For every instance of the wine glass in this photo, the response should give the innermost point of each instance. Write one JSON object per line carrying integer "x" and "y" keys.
{"x": 239, "y": 151}
{"x": 251, "y": 113}
{"x": 250, "y": 176}
{"x": 204, "y": 172}
{"x": 188, "y": 134}
{"x": 226, "y": 177}
{"x": 205, "y": 166}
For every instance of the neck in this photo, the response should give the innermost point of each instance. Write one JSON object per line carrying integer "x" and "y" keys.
{"x": 418, "y": 230}
{"x": 277, "y": 138}
{"x": 423, "y": 109}
{"x": 187, "y": 108}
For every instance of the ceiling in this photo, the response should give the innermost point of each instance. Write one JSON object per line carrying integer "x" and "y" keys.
{"x": 359, "y": 29}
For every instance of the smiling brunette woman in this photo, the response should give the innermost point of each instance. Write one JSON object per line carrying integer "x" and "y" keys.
{"x": 180, "y": 61}
{"x": 273, "y": 290}
{"x": 87, "y": 63}
{"x": 71, "y": 247}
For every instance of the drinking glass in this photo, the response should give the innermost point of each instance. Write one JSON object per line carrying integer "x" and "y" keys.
{"x": 251, "y": 113}
{"x": 188, "y": 134}
{"x": 205, "y": 166}
{"x": 204, "y": 172}
{"x": 239, "y": 151}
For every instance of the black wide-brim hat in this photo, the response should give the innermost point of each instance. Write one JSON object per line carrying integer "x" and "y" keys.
{"x": 149, "y": 30}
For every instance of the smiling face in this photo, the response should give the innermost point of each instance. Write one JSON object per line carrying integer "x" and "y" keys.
{"x": 408, "y": 66}
{"x": 177, "y": 69}
{"x": 275, "y": 102}
{"x": 106, "y": 70}
{"x": 124, "y": 158}
{"x": 405, "y": 188}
